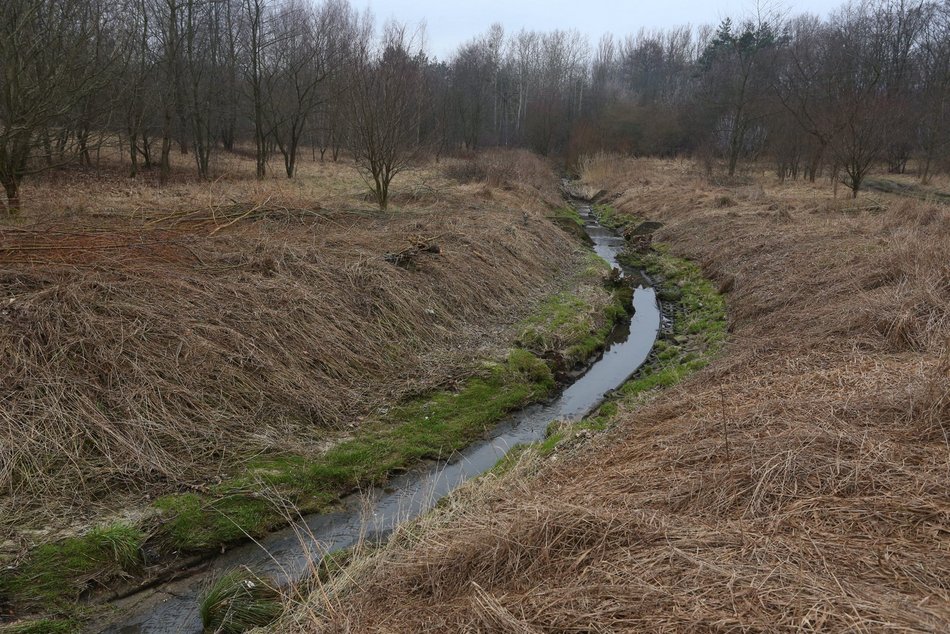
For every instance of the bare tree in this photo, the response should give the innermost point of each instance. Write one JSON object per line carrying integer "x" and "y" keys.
{"x": 257, "y": 16}
{"x": 168, "y": 29}
{"x": 802, "y": 86}
{"x": 307, "y": 48}
{"x": 205, "y": 55}
{"x": 54, "y": 54}
{"x": 736, "y": 67}
{"x": 386, "y": 93}
{"x": 858, "y": 102}
{"x": 473, "y": 69}
{"x": 135, "y": 85}
{"x": 933, "y": 122}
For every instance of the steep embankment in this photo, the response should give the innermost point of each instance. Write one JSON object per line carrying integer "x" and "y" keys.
{"x": 798, "y": 482}
{"x": 174, "y": 384}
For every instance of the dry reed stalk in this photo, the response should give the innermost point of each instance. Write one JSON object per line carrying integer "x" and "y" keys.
{"x": 831, "y": 512}
{"x": 138, "y": 360}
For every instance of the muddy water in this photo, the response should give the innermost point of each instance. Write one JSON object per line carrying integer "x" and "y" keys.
{"x": 288, "y": 554}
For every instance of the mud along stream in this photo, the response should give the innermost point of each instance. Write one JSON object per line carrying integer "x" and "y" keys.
{"x": 287, "y": 555}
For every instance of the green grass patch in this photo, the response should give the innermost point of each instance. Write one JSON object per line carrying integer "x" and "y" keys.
{"x": 569, "y": 324}
{"x": 569, "y": 214}
{"x": 595, "y": 268}
{"x": 42, "y": 626}
{"x": 562, "y": 317}
{"x": 57, "y": 573}
{"x": 570, "y": 221}
{"x": 600, "y": 419}
{"x": 240, "y": 601}
{"x": 434, "y": 426}
{"x": 609, "y": 217}
{"x": 197, "y": 523}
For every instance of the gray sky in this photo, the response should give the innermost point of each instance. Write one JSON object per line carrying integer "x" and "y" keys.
{"x": 452, "y": 22}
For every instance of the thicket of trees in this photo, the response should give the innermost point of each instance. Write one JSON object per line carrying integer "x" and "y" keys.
{"x": 814, "y": 96}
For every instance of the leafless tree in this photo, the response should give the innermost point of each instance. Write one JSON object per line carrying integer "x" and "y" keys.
{"x": 858, "y": 102}
{"x": 308, "y": 48}
{"x": 933, "y": 79}
{"x": 54, "y": 55}
{"x": 386, "y": 94}
{"x": 869, "y": 85}
{"x": 257, "y": 44}
{"x": 736, "y": 67}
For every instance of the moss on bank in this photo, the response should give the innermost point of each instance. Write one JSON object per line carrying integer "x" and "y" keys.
{"x": 698, "y": 315}
{"x": 609, "y": 217}
{"x": 569, "y": 325}
{"x": 432, "y": 426}
{"x": 698, "y": 331}
{"x": 42, "y": 626}
{"x": 56, "y": 574}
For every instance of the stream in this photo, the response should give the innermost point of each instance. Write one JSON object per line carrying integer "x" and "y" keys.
{"x": 288, "y": 555}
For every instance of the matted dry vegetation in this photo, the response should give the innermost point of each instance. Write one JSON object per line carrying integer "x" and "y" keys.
{"x": 152, "y": 339}
{"x": 799, "y": 483}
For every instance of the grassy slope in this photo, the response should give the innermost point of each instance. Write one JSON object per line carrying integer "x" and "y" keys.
{"x": 574, "y": 323}
{"x": 798, "y": 482}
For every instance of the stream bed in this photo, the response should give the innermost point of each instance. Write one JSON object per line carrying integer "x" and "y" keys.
{"x": 288, "y": 555}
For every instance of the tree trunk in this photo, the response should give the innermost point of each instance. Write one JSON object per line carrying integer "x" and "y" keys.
{"x": 146, "y": 150}
{"x": 164, "y": 170}
{"x": 82, "y": 137}
{"x": 47, "y": 148}
{"x": 11, "y": 187}
{"x": 290, "y": 161}
{"x": 133, "y": 154}
{"x": 925, "y": 172}
{"x": 735, "y": 145}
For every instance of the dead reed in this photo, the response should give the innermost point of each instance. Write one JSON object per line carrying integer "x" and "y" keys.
{"x": 829, "y": 511}
{"x": 151, "y": 352}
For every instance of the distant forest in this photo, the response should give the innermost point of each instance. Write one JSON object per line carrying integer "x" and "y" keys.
{"x": 813, "y": 97}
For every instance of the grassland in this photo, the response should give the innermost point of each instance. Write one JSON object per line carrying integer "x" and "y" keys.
{"x": 184, "y": 357}
{"x": 195, "y": 361}
{"x": 794, "y": 480}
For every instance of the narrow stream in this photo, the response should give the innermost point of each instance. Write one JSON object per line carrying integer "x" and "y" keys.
{"x": 288, "y": 555}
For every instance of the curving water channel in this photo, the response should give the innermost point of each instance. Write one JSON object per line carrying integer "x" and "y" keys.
{"x": 288, "y": 555}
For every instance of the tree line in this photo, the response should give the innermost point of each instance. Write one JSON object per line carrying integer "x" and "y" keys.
{"x": 814, "y": 96}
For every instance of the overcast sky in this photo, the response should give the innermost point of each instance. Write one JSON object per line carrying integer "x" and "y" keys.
{"x": 452, "y": 22}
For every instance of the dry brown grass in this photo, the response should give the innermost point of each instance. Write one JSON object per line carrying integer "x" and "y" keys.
{"x": 152, "y": 339}
{"x": 831, "y": 509}
{"x": 511, "y": 170}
